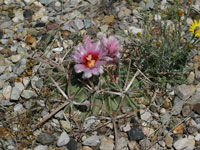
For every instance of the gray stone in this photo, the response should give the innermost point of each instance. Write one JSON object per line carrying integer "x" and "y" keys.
{"x": 197, "y": 137}
{"x": 41, "y": 147}
{"x": 183, "y": 91}
{"x": 148, "y": 5}
{"x": 123, "y": 144}
{"x": 2, "y": 68}
{"x": 19, "y": 108}
{"x": 16, "y": 91}
{"x": 145, "y": 144}
{"x": 89, "y": 122}
{"x": 20, "y": 69}
{"x": 65, "y": 125}
{"x": 5, "y": 102}
{"x": 79, "y": 23}
{"x": 196, "y": 97}
{"x": 36, "y": 83}
{"x": 91, "y": 141}
{"x": 67, "y": 26}
{"x": 106, "y": 144}
{"x": 1, "y": 84}
{"x": 190, "y": 78}
{"x": 168, "y": 141}
{"x": 59, "y": 115}
{"x": 183, "y": 143}
{"x": 6, "y": 24}
{"x": 45, "y": 138}
{"x": 27, "y": 94}
{"x": 178, "y": 104}
{"x": 15, "y": 58}
{"x": 145, "y": 115}
{"x": 124, "y": 12}
{"x": 197, "y": 75}
{"x": 63, "y": 139}
{"x": 7, "y": 91}
{"x": 7, "y": 76}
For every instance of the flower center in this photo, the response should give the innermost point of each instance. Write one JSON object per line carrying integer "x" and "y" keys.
{"x": 197, "y": 32}
{"x": 90, "y": 60}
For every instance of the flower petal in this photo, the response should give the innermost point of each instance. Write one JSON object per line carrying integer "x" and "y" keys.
{"x": 87, "y": 73}
{"x": 79, "y": 68}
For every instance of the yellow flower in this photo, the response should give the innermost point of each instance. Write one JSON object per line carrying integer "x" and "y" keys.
{"x": 190, "y": 46}
{"x": 158, "y": 43}
{"x": 180, "y": 13}
{"x": 195, "y": 28}
{"x": 138, "y": 34}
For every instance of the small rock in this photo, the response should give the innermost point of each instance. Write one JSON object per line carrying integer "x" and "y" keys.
{"x": 134, "y": 30}
{"x": 153, "y": 108}
{"x": 195, "y": 97}
{"x": 145, "y": 144}
{"x": 196, "y": 108}
{"x": 79, "y": 23}
{"x": 59, "y": 115}
{"x": 124, "y": 12}
{"x": 157, "y": 17}
{"x": 183, "y": 91}
{"x": 7, "y": 91}
{"x": 133, "y": 145}
{"x": 192, "y": 129}
{"x": 178, "y": 130}
{"x": 5, "y": 102}
{"x": 106, "y": 144}
{"x": 91, "y": 141}
{"x": 186, "y": 110}
{"x": 145, "y": 115}
{"x": 15, "y": 58}
{"x": 135, "y": 134}
{"x": 45, "y": 138}
{"x": 28, "y": 14}
{"x": 65, "y": 125}
{"x": 168, "y": 141}
{"x": 28, "y": 94}
{"x": 19, "y": 108}
{"x": 72, "y": 145}
{"x": 63, "y": 139}
{"x": 197, "y": 137}
{"x": 90, "y": 122}
{"x": 123, "y": 144}
{"x": 2, "y": 69}
{"x": 163, "y": 111}
{"x": 127, "y": 127}
{"x": 16, "y": 91}
{"x": 1, "y": 34}
{"x": 183, "y": 143}
{"x": 190, "y": 78}
{"x": 41, "y": 147}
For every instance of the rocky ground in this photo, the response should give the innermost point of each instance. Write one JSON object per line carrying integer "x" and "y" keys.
{"x": 46, "y": 28}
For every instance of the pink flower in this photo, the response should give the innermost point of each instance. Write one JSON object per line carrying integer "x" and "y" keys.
{"x": 89, "y": 58}
{"x": 112, "y": 46}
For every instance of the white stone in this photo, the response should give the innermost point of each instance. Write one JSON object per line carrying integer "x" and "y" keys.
{"x": 79, "y": 24}
{"x": 63, "y": 139}
{"x": 197, "y": 137}
{"x": 146, "y": 116}
{"x": 27, "y": 94}
{"x": 157, "y": 17}
{"x": 41, "y": 147}
{"x": 18, "y": 16}
{"x": 7, "y": 91}
{"x": 19, "y": 108}
{"x": 26, "y": 81}
{"x": 91, "y": 141}
{"x": 15, "y": 58}
{"x": 135, "y": 30}
{"x": 58, "y": 49}
{"x": 184, "y": 143}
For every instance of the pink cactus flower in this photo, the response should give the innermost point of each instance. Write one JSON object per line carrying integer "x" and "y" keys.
{"x": 112, "y": 46}
{"x": 89, "y": 58}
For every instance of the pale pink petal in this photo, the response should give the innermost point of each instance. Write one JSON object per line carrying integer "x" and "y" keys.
{"x": 79, "y": 68}
{"x": 87, "y": 73}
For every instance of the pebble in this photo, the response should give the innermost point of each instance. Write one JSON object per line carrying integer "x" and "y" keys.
{"x": 15, "y": 58}
{"x": 197, "y": 137}
{"x": 63, "y": 139}
{"x": 183, "y": 91}
{"x": 72, "y": 145}
{"x": 186, "y": 109}
{"x": 7, "y": 91}
{"x": 145, "y": 144}
{"x": 168, "y": 141}
{"x": 195, "y": 97}
{"x": 163, "y": 111}
{"x": 41, "y": 147}
{"x": 90, "y": 122}
{"x": 133, "y": 145}
{"x": 65, "y": 124}
{"x": 191, "y": 77}
{"x": 135, "y": 134}
{"x": 123, "y": 144}
{"x": 196, "y": 108}
{"x": 16, "y": 91}
{"x": 91, "y": 141}
{"x": 45, "y": 138}
{"x": 184, "y": 143}
{"x": 59, "y": 115}
{"x": 19, "y": 108}
{"x": 2, "y": 69}
{"x": 79, "y": 23}
{"x": 124, "y": 12}
{"x": 106, "y": 144}
{"x": 145, "y": 115}
{"x": 28, "y": 94}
